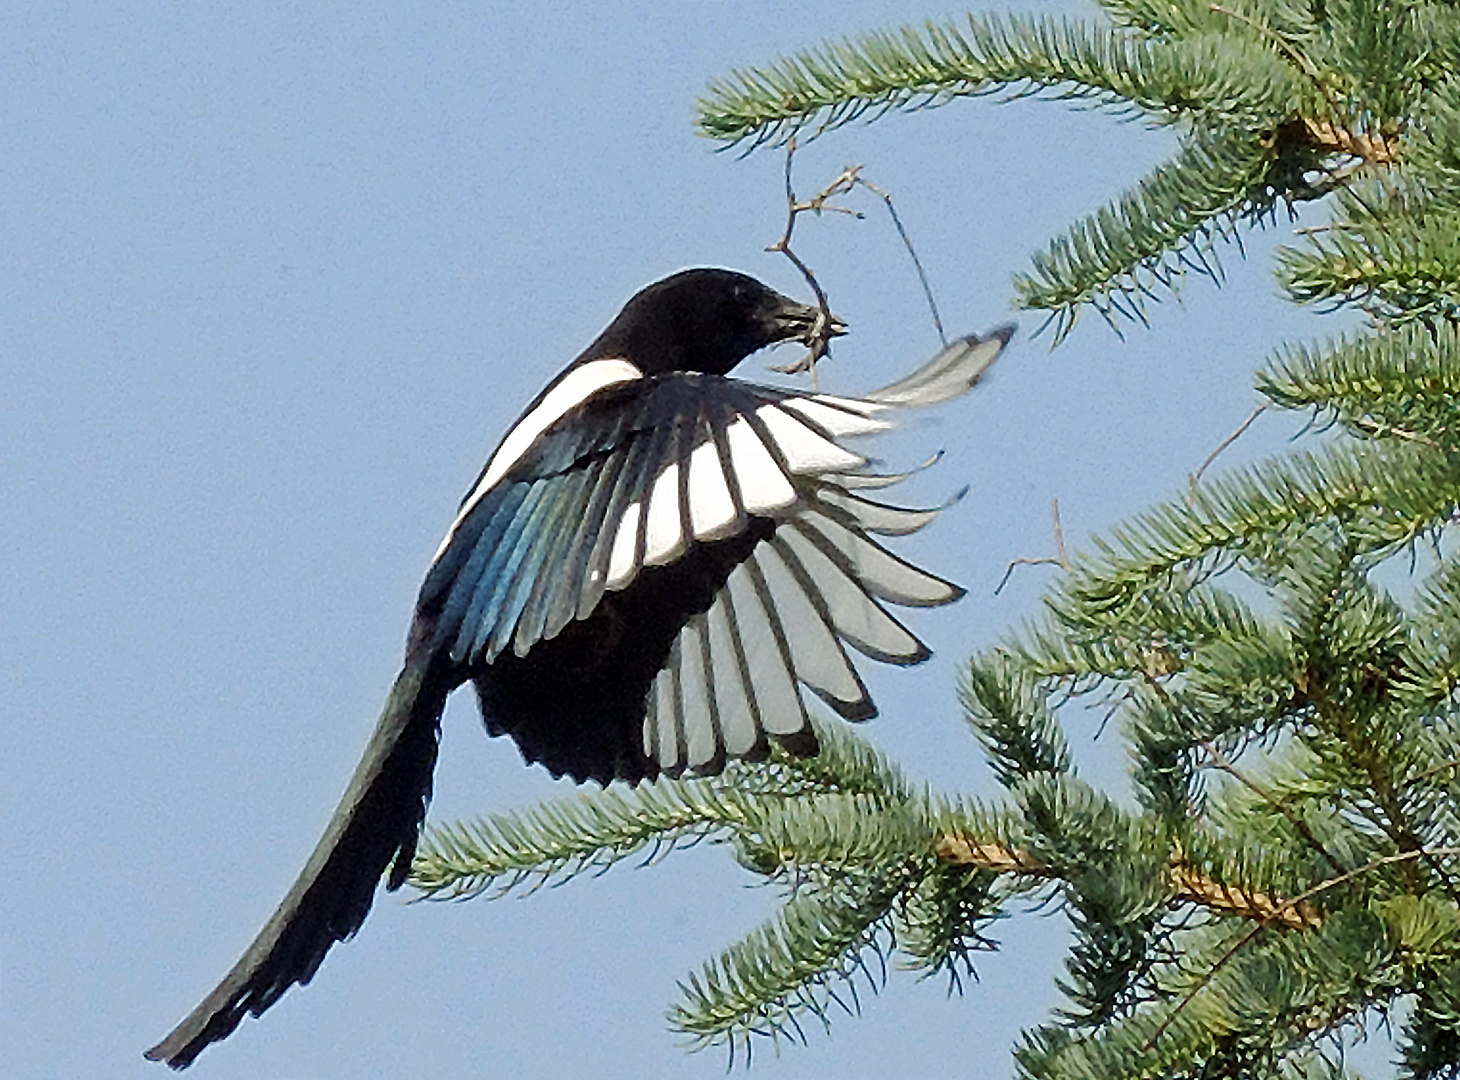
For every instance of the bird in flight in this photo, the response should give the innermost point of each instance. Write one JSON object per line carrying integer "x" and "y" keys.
{"x": 654, "y": 561}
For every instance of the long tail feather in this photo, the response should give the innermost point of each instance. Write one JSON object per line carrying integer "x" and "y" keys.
{"x": 375, "y": 827}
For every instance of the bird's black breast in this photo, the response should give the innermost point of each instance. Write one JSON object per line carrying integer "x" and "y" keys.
{"x": 576, "y": 702}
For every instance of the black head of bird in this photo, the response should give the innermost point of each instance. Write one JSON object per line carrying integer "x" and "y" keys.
{"x": 707, "y": 320}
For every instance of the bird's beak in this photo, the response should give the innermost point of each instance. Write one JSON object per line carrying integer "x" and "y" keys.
{"x": 813, "y": 327}
{"x": 810, "y": 325}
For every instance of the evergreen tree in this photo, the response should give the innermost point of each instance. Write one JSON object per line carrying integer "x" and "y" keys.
{"x": 1282, "y": 645}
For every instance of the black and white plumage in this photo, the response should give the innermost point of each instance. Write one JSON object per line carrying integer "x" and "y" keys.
{"x": 651, "y": 565}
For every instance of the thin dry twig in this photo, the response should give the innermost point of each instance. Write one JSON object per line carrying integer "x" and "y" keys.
{"x": 1222, "y": 762}
{"x": 822, "y": 333}
{"x": 849, "y": 179}
{"x": 1221, "y": 446}
{"x": 912, "y": 252}
{"x": 1060, "y": 557}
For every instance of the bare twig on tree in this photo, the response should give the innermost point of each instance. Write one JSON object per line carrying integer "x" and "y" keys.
{"x": 849, "y": 178}
{"x": 1228, "y": 441}
{"x": 1060, "y": 557}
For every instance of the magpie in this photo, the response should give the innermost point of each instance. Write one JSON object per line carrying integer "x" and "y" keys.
{"x": 652, "y": 563}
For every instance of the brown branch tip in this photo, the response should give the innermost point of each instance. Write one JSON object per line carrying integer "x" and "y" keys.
{"x": 1187, "y": 885}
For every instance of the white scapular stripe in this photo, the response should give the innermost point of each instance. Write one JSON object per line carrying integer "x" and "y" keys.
{"x": 663, "y": 531}
{"x": 711, "y": 506}
{"x": 623, "y": 560}
{"x": 574, "y": 388}
{"x": 763, "y": 486}
{"x": 836, "y": 420}
{"x": 804, "y": 450}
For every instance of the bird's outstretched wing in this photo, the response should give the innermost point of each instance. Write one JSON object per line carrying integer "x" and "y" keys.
{"x": 644, "y": 587}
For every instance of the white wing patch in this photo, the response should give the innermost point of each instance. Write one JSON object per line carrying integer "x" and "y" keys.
{"x": 712, "y": 511}
{"x": 664, "y": 539}
{"x": 759, "y": 475}
{"x": 749, "y": 470}
{"x": 623, "y": 560}
{"x": 763, "y": 486}
{"x": 804, "y": 450}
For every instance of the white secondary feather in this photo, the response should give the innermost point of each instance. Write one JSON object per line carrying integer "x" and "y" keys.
{"x": 777, "y": 701}
{"x": 698, "y": 705}
{"x": 878, "y": 570}
{"x": 623, "y": 559}
{"x": 837, "y": 420}
{"x": 711, "y": 506}
{"x": 820, "y": 661}
{"x": 858, "y": 618}
{"x": 803, "y": 449}
{"x": 661, "y": 741}
{"x": 664, "y": 539}
{"x": 763, "y": 486}
{"x": 877, "y": 517}
{"x": 737, "y": 718}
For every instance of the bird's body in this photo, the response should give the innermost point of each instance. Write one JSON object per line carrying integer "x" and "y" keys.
{"x": 650, "y": 565}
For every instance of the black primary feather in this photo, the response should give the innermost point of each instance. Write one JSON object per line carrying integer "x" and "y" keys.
{"x": 652, "y": 563}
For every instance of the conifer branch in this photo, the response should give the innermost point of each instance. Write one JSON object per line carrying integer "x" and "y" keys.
{"x": 816, "y": 90}
{"x": 1403, "y": 384}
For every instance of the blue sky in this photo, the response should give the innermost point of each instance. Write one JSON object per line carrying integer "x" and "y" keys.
{"x": 273, "y": 280}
